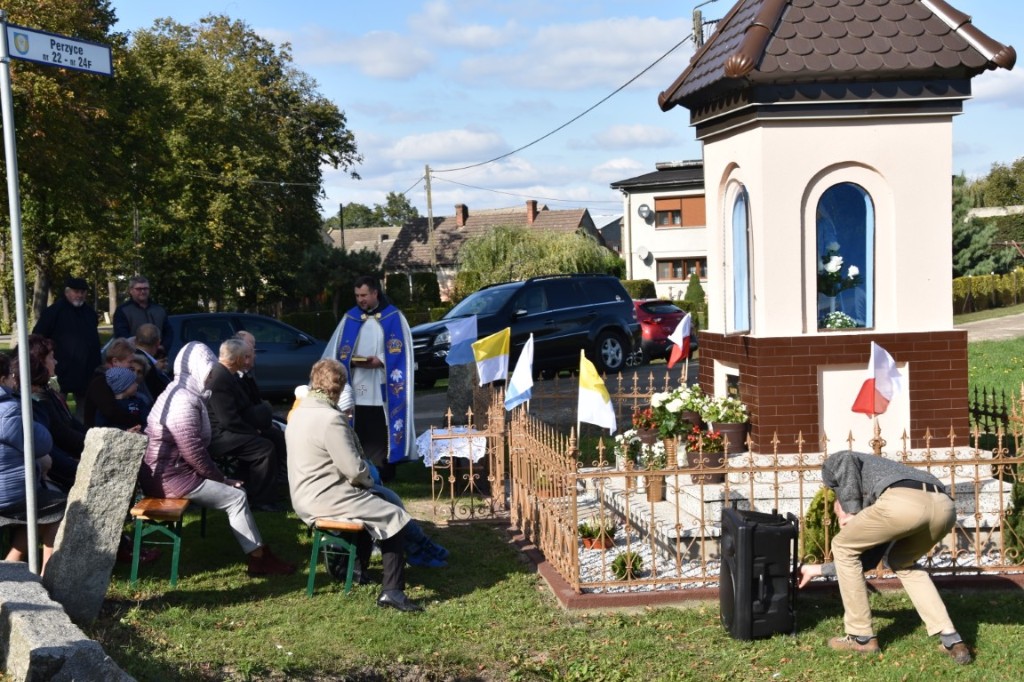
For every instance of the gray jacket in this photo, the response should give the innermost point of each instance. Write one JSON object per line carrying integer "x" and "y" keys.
{"x": 859, "y": 478}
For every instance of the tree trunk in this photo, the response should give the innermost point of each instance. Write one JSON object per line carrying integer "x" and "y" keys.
{"x": 112, "y": 297}
{"x": 40, "y": 292}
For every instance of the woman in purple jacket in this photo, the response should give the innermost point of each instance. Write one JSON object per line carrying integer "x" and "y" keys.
{"x": 178, "y": 465}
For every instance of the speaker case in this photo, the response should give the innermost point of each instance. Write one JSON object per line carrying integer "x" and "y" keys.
{"x": 757, "y": 582}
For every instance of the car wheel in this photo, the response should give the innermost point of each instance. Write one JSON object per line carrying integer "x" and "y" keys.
{"x": 610, "y": 353}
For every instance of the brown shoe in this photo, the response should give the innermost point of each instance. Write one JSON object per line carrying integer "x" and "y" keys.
{"x": 268, "y": 564}
{"x": 959, "y": 652}
{"x": 850, "y": 643}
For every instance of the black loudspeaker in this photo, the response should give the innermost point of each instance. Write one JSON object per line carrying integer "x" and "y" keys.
{"x": 757, "y": 583}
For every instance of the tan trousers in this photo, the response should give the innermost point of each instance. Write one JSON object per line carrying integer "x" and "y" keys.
{"x": 913, "y": 521}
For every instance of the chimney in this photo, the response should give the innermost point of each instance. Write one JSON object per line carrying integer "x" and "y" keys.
{"x": 531, "y": 211}
{"x": 461, "y": 213}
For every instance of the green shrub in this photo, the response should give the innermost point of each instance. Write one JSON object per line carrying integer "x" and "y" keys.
{"x": 1013, "y": 527}
{"x": 397, "y": 288}
{"x": 640, "y": 288}
{"x": 815, "y": 542}
{"x": 694, "y": 292}
{"x": 627, "y": 565}
{"x": 425, "y": 289}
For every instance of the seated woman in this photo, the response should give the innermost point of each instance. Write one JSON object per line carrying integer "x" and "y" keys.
{"x": 50, "y": 410}
{"x": 329, "y": 479}
{"x": 49, "y": 503}
{"x": 177, "y": 463}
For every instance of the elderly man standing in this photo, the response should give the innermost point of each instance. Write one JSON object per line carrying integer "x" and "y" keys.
{"x": 71, "y": 324}
{"x": 374, "y": 344}
{"x": 138, "y": 310}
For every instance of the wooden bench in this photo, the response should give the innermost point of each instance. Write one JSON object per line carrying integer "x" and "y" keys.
{"x": 323, "y": 534}
{"x": 158, "y": 515}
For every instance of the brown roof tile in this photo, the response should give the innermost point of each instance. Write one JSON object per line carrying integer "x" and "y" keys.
{"x": 411, "y": 250}
{"x": 778, "y": 42}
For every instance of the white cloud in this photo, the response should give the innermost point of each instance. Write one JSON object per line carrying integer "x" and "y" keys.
{"x": 378, "y": 54}
{"x": 1000, "y": 88}
{"x": 633, "y": 136}
{"x": 618, "y": 169}
{"x": 440, "y": 25}
{"x": 604, "y": 54}
{"x": 447, "y": 146}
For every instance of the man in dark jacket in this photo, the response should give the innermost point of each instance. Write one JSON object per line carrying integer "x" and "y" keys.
{"x": 138, "y": 310}
{"x": 71, "y": 324}
{"x": 237, "y": 427}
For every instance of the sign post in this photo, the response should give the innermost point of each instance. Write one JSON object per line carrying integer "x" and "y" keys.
{"x": 53, "y": 50}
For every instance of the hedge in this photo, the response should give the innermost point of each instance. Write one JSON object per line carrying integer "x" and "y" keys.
{"x": 987, "y": 291}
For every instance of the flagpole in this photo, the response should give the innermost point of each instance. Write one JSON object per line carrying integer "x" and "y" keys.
{"x": 579, "y": 422}
{"x": 686, "y": 371}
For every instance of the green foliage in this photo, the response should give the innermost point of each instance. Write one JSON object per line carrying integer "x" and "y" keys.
{"x": 597, "y": 529}
{"x": 425, "y": 289}
{"x": 988, "y": 291}
{"x": 640, "y": 288}
{"x": 515, "y": 253}
{"x": 815, "y": 540}
{"x": 627, "y": 565}
{"x": 1004, "y": 184}
{"x": 396, "y": 211}
{"x": 397, "y": 288}
{"x": 359, "y": 215}
{"x": 694, "y": 291}
{"x": 1013, "y": 526}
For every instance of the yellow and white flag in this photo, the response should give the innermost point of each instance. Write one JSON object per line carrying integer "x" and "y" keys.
{"x": 491, "y": 353}
{"x": 595, "y": 405}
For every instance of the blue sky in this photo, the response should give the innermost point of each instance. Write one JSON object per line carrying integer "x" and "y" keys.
{"x": 452, "y": 83}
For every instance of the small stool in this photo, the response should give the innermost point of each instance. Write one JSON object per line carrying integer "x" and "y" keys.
{"x": 158, "y": 515}
{"x": 321, "y": 536}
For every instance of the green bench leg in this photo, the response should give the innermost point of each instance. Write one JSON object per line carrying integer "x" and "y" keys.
{"x": 328, "y": 541}
{"x": 170, "y": 529}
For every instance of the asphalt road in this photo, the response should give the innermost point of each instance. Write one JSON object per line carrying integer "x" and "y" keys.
{"x": 996, "y": 329}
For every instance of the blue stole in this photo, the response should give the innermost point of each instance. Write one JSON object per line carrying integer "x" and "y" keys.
{"x": 397, "y": 368}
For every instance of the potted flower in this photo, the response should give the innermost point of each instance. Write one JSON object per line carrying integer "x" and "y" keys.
{"x": 705, "y": 449}
{"x": 597, "y": 534}
{"x": 645, "y": 425}
{"x": 673, "y": 411}
{"x": 654, "y": 458}
{"x": 627, "y": 448}
{"x": 729, "y": 416}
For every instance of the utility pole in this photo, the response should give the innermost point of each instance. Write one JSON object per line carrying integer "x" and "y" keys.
{"x": 341, "y": 224}
{"x": 430, "y": 223}
{"x": 698, "y": 29}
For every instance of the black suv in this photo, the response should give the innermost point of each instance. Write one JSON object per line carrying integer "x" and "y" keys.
{"x": 565, "y": 313}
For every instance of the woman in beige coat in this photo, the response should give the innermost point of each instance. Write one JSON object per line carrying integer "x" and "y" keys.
{"x": 329, "y": 479}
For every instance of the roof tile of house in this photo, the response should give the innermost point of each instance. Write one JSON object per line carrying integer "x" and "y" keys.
{"x": 412, "y": 249}
{"x": 797, "y": 41}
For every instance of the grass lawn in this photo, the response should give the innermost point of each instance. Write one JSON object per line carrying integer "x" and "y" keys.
{"x": 489, "y": 617}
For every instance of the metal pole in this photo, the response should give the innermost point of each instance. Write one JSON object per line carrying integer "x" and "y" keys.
{"x": 13, "y": 198}
{"x": 430, "y": 221}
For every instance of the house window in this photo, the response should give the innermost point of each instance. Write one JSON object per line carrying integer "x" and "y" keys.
{"x": 680, "y": 269}
{"x": 845, "y": 218}
{"x": 679, "y": 212}
{"x": 739, "y": 236}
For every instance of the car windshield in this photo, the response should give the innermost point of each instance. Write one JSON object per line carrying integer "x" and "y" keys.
{"x": 660, "y": 308}
{"x": 485, "y": 302}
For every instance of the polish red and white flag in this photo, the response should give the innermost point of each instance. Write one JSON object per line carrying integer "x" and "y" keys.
{"x": 680, "y": 338}
{"x": 883, "y": 383}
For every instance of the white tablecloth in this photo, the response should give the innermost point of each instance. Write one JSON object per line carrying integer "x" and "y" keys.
{"x": 446, "y": 443}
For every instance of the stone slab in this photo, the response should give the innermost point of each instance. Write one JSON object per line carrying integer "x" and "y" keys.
{"x": 78, "y": 574}
{"x": 38, "y": 642}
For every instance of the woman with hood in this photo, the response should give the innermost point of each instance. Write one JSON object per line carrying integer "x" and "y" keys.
{"x": 177, "y": 463}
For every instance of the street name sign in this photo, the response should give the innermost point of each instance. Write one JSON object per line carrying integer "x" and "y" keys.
{"x": 51, "y": 49}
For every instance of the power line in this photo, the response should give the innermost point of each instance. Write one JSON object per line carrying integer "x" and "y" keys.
{"x": 530, "y": 196}
{"x": 575, "y": 118}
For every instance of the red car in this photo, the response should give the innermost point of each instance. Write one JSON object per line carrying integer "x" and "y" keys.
{"x": 658, "y": 319}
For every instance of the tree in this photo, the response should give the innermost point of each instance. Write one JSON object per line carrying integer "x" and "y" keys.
{"x": 360, "y": 215}
{"x": 245, "y": 135}
{"x": 396, "y": 211}
{"x": 1004, "y": 184}
{"x": 515, "y": 253}
{"x": 974, "y": 249}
